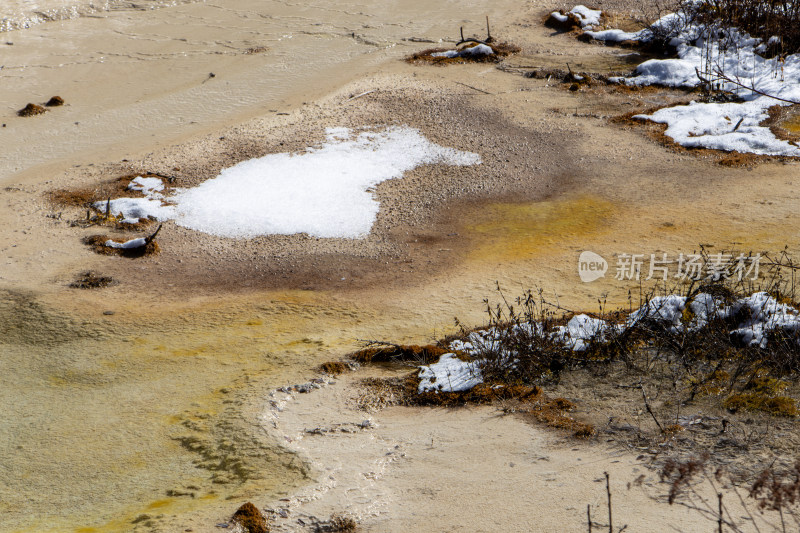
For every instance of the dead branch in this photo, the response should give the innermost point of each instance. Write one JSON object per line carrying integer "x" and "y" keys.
{"x": 150, "y": 239}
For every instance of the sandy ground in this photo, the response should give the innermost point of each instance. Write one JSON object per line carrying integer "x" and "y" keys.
{"x": 462, "y": 469}
{"x": 209, "y": 314}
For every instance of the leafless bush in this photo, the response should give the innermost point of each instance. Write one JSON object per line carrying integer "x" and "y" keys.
{"x": 771, "y": 502}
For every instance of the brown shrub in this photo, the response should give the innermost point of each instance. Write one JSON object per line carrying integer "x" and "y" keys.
{"x": 55, "y": 102}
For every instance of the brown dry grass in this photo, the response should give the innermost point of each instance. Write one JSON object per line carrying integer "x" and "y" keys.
{"x": 91, "y": 280}
{"x": 334, "y": 368}
{"x": 85, "y": 197}
{"x": 251, "y": 519}
{"x": 573, "y": 23}
{"x": 553, "y": 413}
{"x": 31, "y": 110}
{"x": 399, "y": 353}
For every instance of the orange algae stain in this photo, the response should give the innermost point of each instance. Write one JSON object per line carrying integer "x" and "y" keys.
{"x": 792, "y": 124}
{"x": 518, "y": 231}
{"x": 159, "y": 504}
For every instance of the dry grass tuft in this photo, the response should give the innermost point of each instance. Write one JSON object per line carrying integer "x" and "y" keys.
{"x": 754, "y": 401}
{"x": 553, "y": 413}
{"x": 91, "y": 280}
{"x": 573, "y": 23}
{"x": 337, "y": 523}
{"x": 480, "y": 394}
{"x": 55, "y": 102}
{"x": 389, "y": 353}
{"x": 31, "y": 110}
{"x": 334, "y": 368}
{"x": 250, "y": 518}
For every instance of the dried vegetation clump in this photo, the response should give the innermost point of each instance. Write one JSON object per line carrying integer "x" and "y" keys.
{"x": 86, "y": 197}
{"x": 500, "y": 51}
{"x": 334, "y": 368}
{"x": 678, "y": 387}
{"x": 337, "y": 523}
{"x": 91, "y": 280}
{"x": 31, "y": 110}
{"x": 378, "y": 352}
{"x": 250, "y": 518}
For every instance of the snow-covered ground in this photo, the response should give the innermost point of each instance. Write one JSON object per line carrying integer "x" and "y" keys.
{"x": 757, "y": 315}
{"x": 324, "y": 191}
{"x": 709, "y": 52}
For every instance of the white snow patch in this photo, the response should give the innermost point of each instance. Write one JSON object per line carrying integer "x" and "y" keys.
{"x": 473, "y": 51}
{"x": 133, "y": 243}
{"x": 719, "y": 126}
{"x": 759, "y": 315}
{"x": 146, "y": 185}
{"x": 588, "y": 17}
{"x": 449, "y": 374}
{"x": 323, "y": 191}
{"x": 764, "y": 315}
{"x": 580, "y": 330}
{"x": 667, "y": 310}
{"x": 132, "y": 209}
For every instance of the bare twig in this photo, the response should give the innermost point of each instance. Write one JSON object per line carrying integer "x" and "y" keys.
{"x": 608, "y": 491}
{"x": 649, "y": 409}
